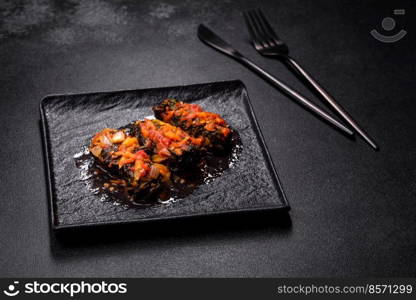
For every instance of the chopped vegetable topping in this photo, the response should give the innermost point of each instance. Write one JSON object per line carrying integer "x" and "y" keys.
{"x": 167, "y": 140}
{"x": 194, "y": 120}
{"x": 135, "y": 153}
{"x": 116, "y": 147}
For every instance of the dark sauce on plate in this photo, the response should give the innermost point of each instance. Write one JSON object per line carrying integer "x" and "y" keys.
{"x": 183, "y": 182}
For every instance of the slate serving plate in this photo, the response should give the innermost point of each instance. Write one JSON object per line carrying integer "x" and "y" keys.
{"x": 69, "y": 121}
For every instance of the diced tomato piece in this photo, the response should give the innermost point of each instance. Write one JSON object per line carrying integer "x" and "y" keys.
{"x": 168, "y": 116}
{"x": 141, "y": 155}
{"x": 225, "y": 131}
{"x": 210, "y": 126}
{"x": 164, "y": 152}
{"x": 172, "y": 136}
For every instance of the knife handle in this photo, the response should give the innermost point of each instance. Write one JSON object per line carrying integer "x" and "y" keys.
{"x": 331, "y": 101}
{"x": 293, "y": 94}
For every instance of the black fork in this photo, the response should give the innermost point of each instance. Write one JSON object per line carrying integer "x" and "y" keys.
{"x": 267, "y": 43}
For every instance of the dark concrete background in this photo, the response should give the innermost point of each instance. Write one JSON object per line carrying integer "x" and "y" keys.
{"x": 353, "y": 209}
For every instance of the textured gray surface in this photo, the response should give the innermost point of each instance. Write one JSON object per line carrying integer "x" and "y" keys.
{"x": 71, "y": 121}
{"x": 353, "y": 210}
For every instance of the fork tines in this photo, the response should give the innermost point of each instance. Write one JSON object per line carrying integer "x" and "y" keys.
{"x": 260, "y": 25}
{"x": 261, "y": 32}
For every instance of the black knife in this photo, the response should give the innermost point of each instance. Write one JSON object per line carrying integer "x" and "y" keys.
{"x": 210, "y": 38}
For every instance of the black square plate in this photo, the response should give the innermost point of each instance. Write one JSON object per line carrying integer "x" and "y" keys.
{"x": 69, "y": 121}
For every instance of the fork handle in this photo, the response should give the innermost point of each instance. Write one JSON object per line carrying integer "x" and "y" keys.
{"x": 331, "y": 101}
{"x": 295, "y": 95}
